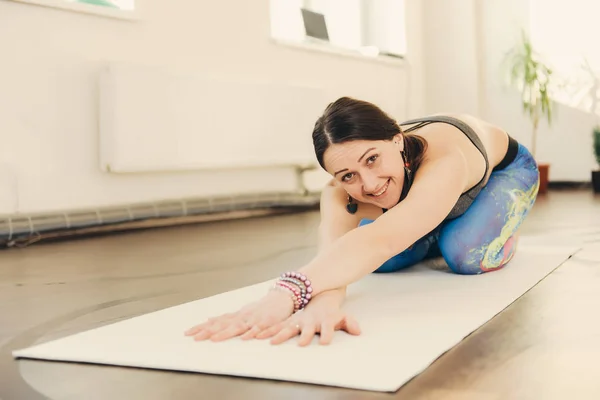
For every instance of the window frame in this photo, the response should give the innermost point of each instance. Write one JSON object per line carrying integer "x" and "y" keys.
{"x": 308, "y": 44}
{"x": 130, "y": 15}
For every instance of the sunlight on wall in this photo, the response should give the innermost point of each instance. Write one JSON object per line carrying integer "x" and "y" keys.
{"x": 565, "y": 34}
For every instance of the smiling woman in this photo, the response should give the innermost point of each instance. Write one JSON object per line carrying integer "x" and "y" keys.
{"x": 341, "y": 136}
{"x": 459, "y": 189}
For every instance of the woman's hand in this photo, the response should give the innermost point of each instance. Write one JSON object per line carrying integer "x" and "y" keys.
{"x": 272, "y": 309}
{"x": 322, "y": 315}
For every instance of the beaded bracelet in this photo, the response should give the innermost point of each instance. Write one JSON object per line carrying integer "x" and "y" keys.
{"x": 299, "y": 286}
{"x": 296, "y": 297}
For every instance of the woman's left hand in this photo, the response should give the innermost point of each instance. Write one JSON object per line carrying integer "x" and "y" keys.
{"x": 273, "y": 308}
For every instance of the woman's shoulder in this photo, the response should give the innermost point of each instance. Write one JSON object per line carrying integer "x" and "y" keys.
{"x": 479, "y": 125}
{"x": 468, "y": 119}
{"x": 481, "y": 151}
{"x": 463, "y": 129}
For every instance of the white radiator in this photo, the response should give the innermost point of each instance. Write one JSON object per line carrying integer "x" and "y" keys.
{"x": 152, "y": 120}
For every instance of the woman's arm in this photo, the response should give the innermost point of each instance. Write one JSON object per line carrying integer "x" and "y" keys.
{"x": 437, "y": 186}
{"x": 335, "y": 223}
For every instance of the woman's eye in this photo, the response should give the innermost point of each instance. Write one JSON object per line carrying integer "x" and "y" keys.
{"x": 347, "y": 177}
{"x": 372, "y": 159}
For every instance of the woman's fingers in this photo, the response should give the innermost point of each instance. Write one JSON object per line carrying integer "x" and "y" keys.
{"x": 233, "y": 330}
{"x": 269, "y": 332}
{"x": 265, "y": 324}
{"x": 235, "y": 324}
{"x": 231, "y": 325}
{"x": 197, "y": 328}
{"x": 306, "y": 331}
{"x": 351, "y": 325}
{"x": 201, "y": 328}
{"x": 307, "y": 335}
{"x": 218, "y": 326}
{"x": 251, "y": 333}
{"x": 341, "y": 321}
{"x": 193, "y": 330}
{"x": 286, "y": 333}
{"x": 326, "y": 331}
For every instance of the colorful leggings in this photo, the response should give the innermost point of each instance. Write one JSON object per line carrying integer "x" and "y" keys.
{"x": 481, "y": 239}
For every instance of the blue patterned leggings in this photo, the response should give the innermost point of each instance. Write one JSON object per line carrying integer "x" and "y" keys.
{"x": 483, "y": 238}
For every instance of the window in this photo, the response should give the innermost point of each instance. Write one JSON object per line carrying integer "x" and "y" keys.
{"x": 564, "y": 34}
{"x": 372, "y": 27}
{"x": 124, "y": 9}
{"x": 120, "y": 4}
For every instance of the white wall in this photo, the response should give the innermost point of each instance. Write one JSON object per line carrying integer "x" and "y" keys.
{"x": 451, "y": 66}
{"x": 465, "y": 44}
{"x": 48, "y": 97}
{"x": 567, "y": 143}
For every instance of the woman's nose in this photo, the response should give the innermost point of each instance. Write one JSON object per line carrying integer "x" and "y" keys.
{"x": 370, "y": 183}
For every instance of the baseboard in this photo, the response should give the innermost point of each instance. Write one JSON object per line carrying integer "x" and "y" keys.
{"x": 563, "y": 185}
{"x": 21, "y": 230}
{"x": 151, "y": 223}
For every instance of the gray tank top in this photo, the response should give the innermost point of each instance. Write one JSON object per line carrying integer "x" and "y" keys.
{"x": 467, "y": 198}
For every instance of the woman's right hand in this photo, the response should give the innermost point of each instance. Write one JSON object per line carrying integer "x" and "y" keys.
{"x": 323, "y": 315}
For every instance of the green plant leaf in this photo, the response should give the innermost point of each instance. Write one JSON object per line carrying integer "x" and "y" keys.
{"x": 532, "y": 77}
{"x": 597, "y": 144}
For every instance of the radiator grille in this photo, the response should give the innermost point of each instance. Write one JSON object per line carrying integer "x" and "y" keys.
{"x": 25, "y": 228}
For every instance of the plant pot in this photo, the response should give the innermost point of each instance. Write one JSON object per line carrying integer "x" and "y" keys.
{"x": 596, "y": 181}
{"x": 544, "y": 173}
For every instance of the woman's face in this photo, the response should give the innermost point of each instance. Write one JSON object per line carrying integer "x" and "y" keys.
{"x": 370, "y": 171}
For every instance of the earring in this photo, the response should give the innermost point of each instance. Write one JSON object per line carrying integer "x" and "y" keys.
{"x": 351, "y": 206}
{"x": 407, "y": 177}
{"x": 407, "y": 171}
{"x": 406, "y": 163}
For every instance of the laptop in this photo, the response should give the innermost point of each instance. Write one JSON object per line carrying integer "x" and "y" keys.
{"x": 315, "y": 25}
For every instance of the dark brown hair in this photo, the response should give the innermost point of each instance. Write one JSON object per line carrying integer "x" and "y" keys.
{"x": 349, "y": 119}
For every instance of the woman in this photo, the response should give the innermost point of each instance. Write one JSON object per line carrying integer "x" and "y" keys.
{"x": 445, "y": 185}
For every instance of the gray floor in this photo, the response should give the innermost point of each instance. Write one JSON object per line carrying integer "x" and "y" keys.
{"x": 545, "y": 345}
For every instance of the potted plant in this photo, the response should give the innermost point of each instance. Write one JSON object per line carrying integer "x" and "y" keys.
{"x": 596, "y": 173}
{"x": 533, "y": 78}
{"x": 591, "y": 92}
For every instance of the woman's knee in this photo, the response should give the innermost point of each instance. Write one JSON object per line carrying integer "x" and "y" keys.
{"x": 466, "y": 266}
{"x": 471, "y": 258}
{"x": 460, "y": 257}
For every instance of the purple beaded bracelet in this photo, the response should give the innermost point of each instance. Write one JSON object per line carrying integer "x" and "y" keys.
{"x": 303, "y": 291}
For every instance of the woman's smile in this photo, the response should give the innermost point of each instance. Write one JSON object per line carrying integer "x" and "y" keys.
{"x": 382, "y": 191}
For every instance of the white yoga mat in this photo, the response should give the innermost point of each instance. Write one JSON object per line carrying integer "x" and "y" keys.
{"x": 408, "y": 320}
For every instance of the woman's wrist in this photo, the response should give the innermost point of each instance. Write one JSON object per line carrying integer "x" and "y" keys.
{"x": 298, "y": 287}
{"x": 281, "y": 295}
{"x": 334, "y": 297}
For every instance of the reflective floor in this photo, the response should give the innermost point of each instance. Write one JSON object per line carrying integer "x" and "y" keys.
{"x": 544, "y": 346}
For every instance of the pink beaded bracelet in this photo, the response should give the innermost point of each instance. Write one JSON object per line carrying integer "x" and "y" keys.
{"x": 294, "y": 292}
{"x": 299, "y": 286}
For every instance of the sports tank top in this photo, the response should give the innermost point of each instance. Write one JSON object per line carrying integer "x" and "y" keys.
{"x": 466, "y": 199}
